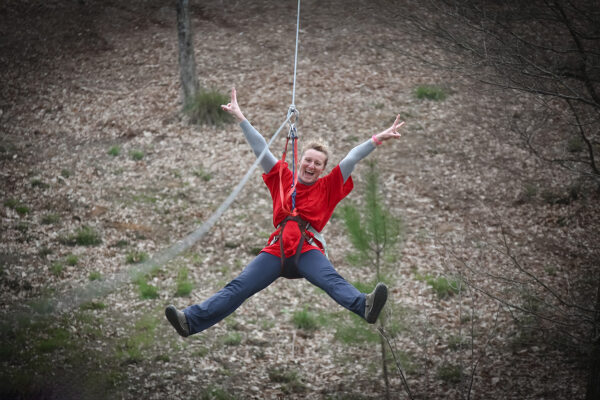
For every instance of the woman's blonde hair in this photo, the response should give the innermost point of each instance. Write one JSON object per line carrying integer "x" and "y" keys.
{"x": 318, "y": 146}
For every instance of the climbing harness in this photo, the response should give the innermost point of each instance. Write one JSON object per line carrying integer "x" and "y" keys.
{"x": 304, "y": 227}
{"x": 302, "y": 224}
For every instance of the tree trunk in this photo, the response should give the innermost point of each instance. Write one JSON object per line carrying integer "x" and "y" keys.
{"x": 187, "y": 62}
{"x": 381, "y": 341}
{"x": 384, "y": 367}
{"x": 593, "y": 385}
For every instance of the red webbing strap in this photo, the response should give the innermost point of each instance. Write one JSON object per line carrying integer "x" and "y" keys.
{"x": 291, "y": 192}
{"x": 284, "y": 197}
{"x": 281, "y": 166}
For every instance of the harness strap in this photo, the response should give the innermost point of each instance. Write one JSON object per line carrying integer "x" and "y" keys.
{"x": 291, "y": 192}
{"x": 302, "y": 225}
{"x": 318, "y": 236}
{"x": 285, "y": 195}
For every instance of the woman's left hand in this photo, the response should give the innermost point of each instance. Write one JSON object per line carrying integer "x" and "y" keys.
{"x": 391, "y": 132}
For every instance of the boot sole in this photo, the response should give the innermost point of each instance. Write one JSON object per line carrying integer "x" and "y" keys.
{"x": 380, "y": 298}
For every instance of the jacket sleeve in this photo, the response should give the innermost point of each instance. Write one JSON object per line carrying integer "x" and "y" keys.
{"x": 258, "y": 143}
{"x": 354, "y": 156}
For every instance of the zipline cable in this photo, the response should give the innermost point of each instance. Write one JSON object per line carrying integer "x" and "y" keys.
{"x": 296, "y": 57}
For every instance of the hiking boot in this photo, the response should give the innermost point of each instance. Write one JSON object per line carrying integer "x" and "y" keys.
{"x": 374, "y": 302}
{"x": 178, "y": 320}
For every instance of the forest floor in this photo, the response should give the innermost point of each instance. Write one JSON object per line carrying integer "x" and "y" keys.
{"x": 99, "y": 170}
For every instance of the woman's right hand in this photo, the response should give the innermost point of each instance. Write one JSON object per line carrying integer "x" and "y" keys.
{"x": 233, "y": 108}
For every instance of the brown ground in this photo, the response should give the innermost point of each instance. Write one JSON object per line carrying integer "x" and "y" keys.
{"x": 78, "y": 79}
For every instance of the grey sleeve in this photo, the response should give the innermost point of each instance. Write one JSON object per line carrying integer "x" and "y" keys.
{"x": 258, "y": 144}
{"x": 354, "y": 156}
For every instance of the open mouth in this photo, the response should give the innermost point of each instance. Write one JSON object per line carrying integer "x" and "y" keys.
{"x": 309, "y": 173}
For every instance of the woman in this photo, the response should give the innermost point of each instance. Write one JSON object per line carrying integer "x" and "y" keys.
{"x": 294, "y": 249}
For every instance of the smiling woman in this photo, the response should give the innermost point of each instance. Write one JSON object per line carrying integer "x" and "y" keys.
{"x": 296, "y": 248}
{"x": 313, "y": 162}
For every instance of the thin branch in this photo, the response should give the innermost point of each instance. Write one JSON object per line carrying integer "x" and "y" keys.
{"x": 538, "y": 281}
{"x": 489, "y": 339}
{"x": 589, "y": 145}
{"x": 510, "y": 304}
{"x": 582, "y": 52}
{"x": 402, "y": 377}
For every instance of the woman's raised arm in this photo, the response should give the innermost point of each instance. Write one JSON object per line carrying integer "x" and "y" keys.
{"x": 256, "y": 141}
{"x": 364, "y": 149}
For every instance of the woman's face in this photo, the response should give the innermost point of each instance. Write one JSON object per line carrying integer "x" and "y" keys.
{"x": 311, "y": 165}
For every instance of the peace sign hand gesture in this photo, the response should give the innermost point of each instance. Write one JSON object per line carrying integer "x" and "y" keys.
{"x": 389, "y": 133}
{"x": 233, "y": 108}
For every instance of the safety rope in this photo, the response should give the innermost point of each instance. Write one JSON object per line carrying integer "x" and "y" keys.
{"x": 79, "y": 295}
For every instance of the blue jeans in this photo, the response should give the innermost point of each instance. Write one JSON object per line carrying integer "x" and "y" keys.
{"x": 263, "y": 271}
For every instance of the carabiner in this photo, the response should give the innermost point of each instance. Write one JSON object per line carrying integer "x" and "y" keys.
{"x": 293, "y": 114}
{"x": 293, "y": 117}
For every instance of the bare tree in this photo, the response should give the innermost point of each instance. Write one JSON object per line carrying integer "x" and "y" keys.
{"x": 549, "y": 49}
{"x": 562, "y": 313}
{"x": 187, "y": 61}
